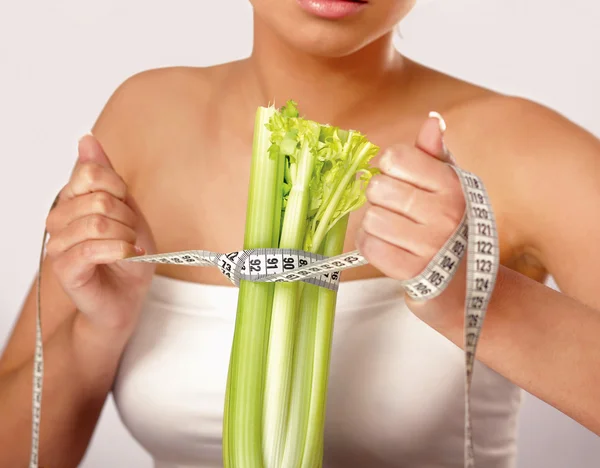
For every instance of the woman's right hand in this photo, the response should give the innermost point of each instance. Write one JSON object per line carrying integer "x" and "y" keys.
{"x": 94, "y": 224}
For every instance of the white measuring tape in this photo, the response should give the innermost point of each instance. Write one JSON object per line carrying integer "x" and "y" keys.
{"x": 476, "y": 235}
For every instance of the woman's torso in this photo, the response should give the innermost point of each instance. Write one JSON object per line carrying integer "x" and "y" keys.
{"x": 396, "y": 389}
{"x": 396, "y": 393}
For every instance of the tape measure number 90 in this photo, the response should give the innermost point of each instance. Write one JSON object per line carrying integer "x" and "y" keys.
{"x": 476, "y": 235}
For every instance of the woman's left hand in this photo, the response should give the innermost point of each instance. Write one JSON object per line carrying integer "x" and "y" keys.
{"x": 416, "y": 204}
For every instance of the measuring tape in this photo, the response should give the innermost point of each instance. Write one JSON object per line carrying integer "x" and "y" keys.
{"x": 476, "y": 235}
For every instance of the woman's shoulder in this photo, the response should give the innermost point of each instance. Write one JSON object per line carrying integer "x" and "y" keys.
{"x": 153, "y": 107}
{"x": 505, "y": 134}
{"x": 515, "y": 128}
{"x": 497, "y": 124}
{"x": 532, "y": 158}
{"x": 159, "y": 87}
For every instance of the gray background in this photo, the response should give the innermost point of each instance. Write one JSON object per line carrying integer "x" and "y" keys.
{"x": 60, "y": 60}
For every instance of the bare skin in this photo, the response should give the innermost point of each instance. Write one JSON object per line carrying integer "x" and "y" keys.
{"x": 180, "y": 140}
{"x": 206, "y": 165}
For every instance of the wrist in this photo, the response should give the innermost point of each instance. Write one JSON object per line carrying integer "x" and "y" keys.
{"x": 445, "y": 313}
{"x": 97, "y": 349}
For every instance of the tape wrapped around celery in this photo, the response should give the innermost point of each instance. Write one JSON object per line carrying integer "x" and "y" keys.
{"x": 305, "y": 180}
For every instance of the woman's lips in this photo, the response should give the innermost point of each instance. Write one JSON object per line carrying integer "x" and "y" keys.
{"x": 332, "y": 9}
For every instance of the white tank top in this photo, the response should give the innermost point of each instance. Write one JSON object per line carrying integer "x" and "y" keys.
{"x": 396, "y": 389}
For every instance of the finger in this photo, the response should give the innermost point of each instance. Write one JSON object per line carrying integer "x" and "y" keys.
{"x": 414, "y": 166}
{"x": 93, "y": 227}
{"x": 418, "y": 205}
{"x": 90, "y": 150}
{"x": 98, "y": 203}
{"x": 392, "y": 261}
{"x": 93, "y": 177}
{"x": 397, "y": 230}
{"x": 430, "y": 138}
{"x": 77, "y": 265}
{"x": 402, "y": 198}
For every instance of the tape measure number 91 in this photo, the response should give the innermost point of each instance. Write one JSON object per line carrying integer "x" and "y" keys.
{"x": 476, "y": 235}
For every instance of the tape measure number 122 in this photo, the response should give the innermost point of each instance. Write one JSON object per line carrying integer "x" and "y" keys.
{"x": 476, "y": 236}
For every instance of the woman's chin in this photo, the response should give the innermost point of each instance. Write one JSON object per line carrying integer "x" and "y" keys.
{"x": 328, "y": 44}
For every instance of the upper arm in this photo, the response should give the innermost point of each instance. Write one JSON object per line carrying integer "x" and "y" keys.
{"x": 115, "y": 128}
{"x": 556, "y": 200}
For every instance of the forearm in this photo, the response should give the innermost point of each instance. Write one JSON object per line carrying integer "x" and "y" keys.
{"x": 79, "y": 368}
{"x": 543, "y": 341}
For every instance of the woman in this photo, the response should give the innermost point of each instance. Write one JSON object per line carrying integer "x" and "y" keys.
{"x": 171, "y": 142}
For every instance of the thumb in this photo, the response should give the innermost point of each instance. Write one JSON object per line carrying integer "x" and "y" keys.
{"x": 431, "y": 138}
{"x": 90, "y": 150}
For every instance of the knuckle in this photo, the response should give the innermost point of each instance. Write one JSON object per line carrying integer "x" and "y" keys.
{"x": 51, "y": 248}
{"x": 104, "y": 203}
{"x": 122, "y": 249}
{"x": 90, "y": 173}
{"x": 394, "y": 156}
{"x": 367, "y": 219}
{"x": 87, "y": 250}
{"x": 131, "y": 236}
{"x": 97, "y": 224}
{"x": 410, "y": 199}
{"x": 60, "y": 196}
{"x": 376, "y": 252}
{"x": 370, "y": 220}
{"x": 374, "y": 186}
{"x": 368, "y": 247}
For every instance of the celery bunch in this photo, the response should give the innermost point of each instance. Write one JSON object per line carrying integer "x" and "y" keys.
{"x": 305, "y": 180}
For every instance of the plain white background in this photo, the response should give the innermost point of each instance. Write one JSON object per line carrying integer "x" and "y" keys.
{"x": 60, "y": 60}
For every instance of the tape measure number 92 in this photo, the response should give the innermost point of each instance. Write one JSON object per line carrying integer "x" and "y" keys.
{"x": 476, "y": 235}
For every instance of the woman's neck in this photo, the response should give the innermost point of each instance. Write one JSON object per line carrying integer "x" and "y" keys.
{"x": 326, "y": 89}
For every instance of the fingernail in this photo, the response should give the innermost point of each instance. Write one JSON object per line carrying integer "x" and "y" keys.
{"x": 442, "y": 124}
{"x": 139, "y": 250}
{"x": 440, "y": 119}
{"x": 87, "y": 134}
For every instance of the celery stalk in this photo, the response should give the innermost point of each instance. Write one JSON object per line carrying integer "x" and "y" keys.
{"x": 323, "y": 330}
{"x": 242, "y": 438}
{"x": 302, "y": 377}
{"x": 283, "y": 322}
